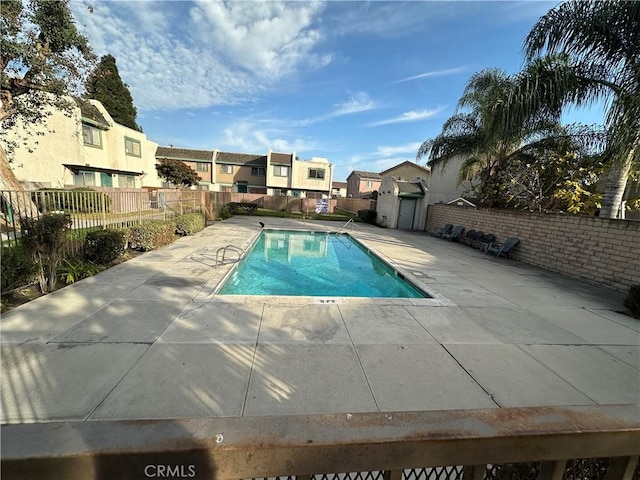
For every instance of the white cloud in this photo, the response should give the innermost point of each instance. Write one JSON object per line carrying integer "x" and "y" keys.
{"x": 358, "y": 102}
{"x": 411, "y": 116}
{"x": 245, "y": 137}
{"x": 438, "y": 73}
{"x": 411, "y": 147}
{"x": 180, "y": 55}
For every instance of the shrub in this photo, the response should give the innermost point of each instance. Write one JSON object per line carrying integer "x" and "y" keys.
{"x": 368, "y": 216}
{"x": 104, "y": 246}
{"x": 44, "y": 240}
{"x": 152, "y": 234}
{"x": 16, "y": 269}
{"x": 632, "y": 302}
{"x": 73, "y": 270}
{"x": 225, "y": 212}
{"x": 243, "y": 207}
{"x": 189, "y": 223}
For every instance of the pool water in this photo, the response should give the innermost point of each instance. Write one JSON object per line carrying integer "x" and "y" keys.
{"x": 314, "y": 264}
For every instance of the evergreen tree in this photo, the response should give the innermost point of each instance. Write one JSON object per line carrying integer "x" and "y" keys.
{"x": 176, "y": 172}
{"x": 106, "y": 86}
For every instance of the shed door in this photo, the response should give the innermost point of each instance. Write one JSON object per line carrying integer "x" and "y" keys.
{"x": 406, "y": 212}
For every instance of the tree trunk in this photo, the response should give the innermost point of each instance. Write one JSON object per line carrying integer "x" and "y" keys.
{"x": 615, "y": 185}
{"x": 19, "y": 200}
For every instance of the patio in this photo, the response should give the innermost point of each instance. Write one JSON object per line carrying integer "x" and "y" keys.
{"x": 149, "y": 340}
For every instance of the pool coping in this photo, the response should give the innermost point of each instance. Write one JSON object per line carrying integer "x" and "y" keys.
{"x": 209, "y": 292}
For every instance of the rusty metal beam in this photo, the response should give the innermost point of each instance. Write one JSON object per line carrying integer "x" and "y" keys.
{"x": 247, "y": 447}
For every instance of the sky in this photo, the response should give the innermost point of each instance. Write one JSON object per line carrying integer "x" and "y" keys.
{"x": 362, "y": 84}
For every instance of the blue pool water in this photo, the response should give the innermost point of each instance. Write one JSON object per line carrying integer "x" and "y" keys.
{"x": 314, "y": 264}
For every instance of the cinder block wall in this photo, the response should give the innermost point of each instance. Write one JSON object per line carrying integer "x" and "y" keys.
{"x": 592, "y": 248}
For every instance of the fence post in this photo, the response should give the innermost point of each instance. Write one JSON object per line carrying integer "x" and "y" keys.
{"x": 139, "y": 207}
{"x": 104, "y": 210}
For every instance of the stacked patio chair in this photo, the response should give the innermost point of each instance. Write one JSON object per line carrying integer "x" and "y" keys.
{"x": 485, "y": 241}
{"x": 455, "y": 234}
{"x": 472, "y": 237}
{"x": 502, "y": 248}
{"x": 439, "y": 232}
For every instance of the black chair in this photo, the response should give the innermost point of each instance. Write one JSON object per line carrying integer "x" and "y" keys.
{"x": 485, "y": 241}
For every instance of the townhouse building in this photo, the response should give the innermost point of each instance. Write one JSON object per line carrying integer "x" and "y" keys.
{"x": 83, "y": 147}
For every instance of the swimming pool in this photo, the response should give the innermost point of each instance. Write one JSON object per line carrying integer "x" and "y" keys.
{"x": 293, "y": 263}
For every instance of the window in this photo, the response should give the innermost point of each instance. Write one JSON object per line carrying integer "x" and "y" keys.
{"x": 369, "y": 184}
{"x": 202, "y": 167}
{"x": 242, "y": 187}
{"x": 258, "y": 171}
{"x": 84, "y": 178}
{"x": 91, "y": 136}
{"x": 226, "y": 168}
{"x": 317, "y": 173}
{"x": 127, "y": 181}
{"x": 132, "y": 147}
{"x": 278, "y": 192}
{"x": 280, "y": 171}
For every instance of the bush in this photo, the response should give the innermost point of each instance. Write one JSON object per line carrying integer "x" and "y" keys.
{"x": 44, "y": 240}
{"x": 152, "y": 234}
{"x": 225, "y": 212}
{"x": 79, "y": 200}
{"x": 73, "y": 270}
{"x": 189, "y": 223}
{"x": 242, "y": 207}
{"x": 16, "y": 269}
{"x": 104, "y": 246}
{"x": 632, "y": 302}
{"x": 368, "y": 216}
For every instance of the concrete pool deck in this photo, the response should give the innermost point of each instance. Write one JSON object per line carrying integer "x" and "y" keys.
{"x": 149, "y": 339}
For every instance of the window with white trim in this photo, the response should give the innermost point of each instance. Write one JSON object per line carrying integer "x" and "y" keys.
{"x": 84, "y": 178}
{"x": 202, "y": 167}
{"x": 226, "y": 168}
{"x": 369, "y": 184}
{"x": 126, "y": 181}
{"x": 279, "y": 171}
{"x": 258, "y": 171}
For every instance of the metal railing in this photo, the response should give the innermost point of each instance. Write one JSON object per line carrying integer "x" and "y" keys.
{"x": 90, "y": 210}
{"x": 541, "y": 443}
{"x": 237, "y": 250}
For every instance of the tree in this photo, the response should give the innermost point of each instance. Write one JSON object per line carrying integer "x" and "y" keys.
{"x": 585, "y": 51}
{"x": 176, "y": 172}
{"x": 42, "y": 57}
{"x": 493, "y": 149}
{"x": 105, "y": 85}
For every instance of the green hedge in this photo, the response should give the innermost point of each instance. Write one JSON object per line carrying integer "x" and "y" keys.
{"x": 368, "y": 216}
{"x": 17, "y": 269}
{"x": 189, "y": 223}
{"x": 152, "y": 234}
{"x": 242, "y": 207}
{"x": 104, "y": 246}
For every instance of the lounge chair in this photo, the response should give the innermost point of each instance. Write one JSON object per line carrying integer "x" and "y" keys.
{"x": 502, "y": 248}
{"x": 454, "y": 234}
{"x": 438, "y": 232}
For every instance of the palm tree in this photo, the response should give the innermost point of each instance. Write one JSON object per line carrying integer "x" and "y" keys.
{"x": 593, "y": 54}
{"x": 487, "y": 142}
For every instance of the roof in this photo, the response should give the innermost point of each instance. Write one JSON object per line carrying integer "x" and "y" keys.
{"x": 407, "y": 162}
{"x": 184, "y": 153}
{"x": 91, "y": 112}
{"x": 461, "y": 201}
{"x": 281, "y": 158}
{"x": 241, "y": 159}
{"x": 339, "y": 184}
{"x": 410, "y": 189}
{"x": 363, "y": 174}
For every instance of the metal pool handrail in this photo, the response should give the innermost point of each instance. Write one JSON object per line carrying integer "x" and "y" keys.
{"x": 240, "y": 251}
{"x": 350, "y": 221}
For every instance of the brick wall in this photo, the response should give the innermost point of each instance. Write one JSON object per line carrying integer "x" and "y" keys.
{"x": 591, "y": 248}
